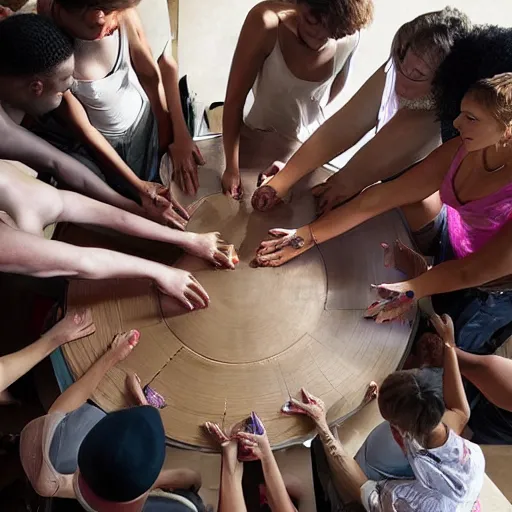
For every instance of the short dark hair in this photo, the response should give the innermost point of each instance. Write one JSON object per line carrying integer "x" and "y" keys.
{"x": 103, "y": 5}
{"x": 31, "y": 45}
{"x": 412, "y": 400}
{"x": 342, "y": 17}
{"x": 431, "y": 35}
{"x": 484, "y": 52}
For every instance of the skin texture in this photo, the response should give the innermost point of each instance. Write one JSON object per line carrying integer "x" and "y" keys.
{"x": 75, "y": 325}
{"x": 471, "y": 183}
{"x": 412, "y": 134}
{"x": 308, "y": 52}
{"x": 32, "y": 205}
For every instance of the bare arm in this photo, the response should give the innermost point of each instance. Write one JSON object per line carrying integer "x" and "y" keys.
{"x": 171, "y": 479}
{"x": 255, "y": 43}
{"x": 491, "y": 262}
{"x": 17, "y": 143}
{"x": 24, "y": 253}
{"x": 73, "y": 113}
{"x": 339, "y": 133}
{"x": 407, "y": 138}
{"x": 231, "y": 495}
{"x": 147, "y": 71}
{"x": 457, "y": 406}
{"x": 277, "y": 494}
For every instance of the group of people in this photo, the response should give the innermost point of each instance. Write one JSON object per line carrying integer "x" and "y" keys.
{"x": 85, "y": 105}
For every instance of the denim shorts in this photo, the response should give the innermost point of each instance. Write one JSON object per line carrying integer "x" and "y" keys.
{"x": 482, "y": 318}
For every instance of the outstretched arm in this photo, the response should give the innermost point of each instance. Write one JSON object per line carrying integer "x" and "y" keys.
{"x": 24, "y": 253}
{"x": 339, "y": 133}
{"x": 83, "y": 210}
{"x": 17, "y": 143}
{"x": 256, "y": 41}
{"x": 417, "y": 184}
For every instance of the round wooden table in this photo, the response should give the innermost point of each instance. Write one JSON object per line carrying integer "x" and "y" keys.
{"x": 267, "y": 332}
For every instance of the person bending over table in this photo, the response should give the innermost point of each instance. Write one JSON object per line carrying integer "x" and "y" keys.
{"x": 119, "y": 108}
{"x": 34, "y": 75}
{"x": 296, "y": 58}
{"x": 396, "y": 102}
{"x": 27, "y": 206}
{"x": 469, "y": 236}
{"x": 76, "y": 450}
{"x": 447, "y": 470}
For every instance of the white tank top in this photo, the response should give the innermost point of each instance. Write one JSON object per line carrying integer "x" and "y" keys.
{"x": 113, "y": 103}
{"x": 390, "y": 104}
{"x": 288, "y": 105}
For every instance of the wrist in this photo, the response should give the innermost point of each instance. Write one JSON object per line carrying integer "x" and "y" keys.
{"x": 180, "y": 131}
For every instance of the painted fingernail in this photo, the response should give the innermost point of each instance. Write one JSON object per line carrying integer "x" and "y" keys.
{"x": 409, "y": 294}
{"x": 384, "y": 245}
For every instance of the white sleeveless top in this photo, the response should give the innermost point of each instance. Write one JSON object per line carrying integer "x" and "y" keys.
{"x": 390, "y": 104}
{"x": 288, "y": 105}
{"x": 113, "y": 103}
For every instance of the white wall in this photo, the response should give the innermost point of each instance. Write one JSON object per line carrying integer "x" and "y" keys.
{"x": 208, "y": 31}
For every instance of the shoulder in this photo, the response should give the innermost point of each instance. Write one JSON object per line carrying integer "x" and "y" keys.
{"x": 268, "y": 14}
{"x": 349, "y": 43}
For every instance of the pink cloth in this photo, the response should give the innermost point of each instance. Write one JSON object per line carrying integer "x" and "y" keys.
{"x": 473, "y": 224}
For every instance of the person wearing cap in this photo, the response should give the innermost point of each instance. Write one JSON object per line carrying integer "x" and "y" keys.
{"x": 107, "y": 462}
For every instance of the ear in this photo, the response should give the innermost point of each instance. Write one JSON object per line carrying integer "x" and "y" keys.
{"x": 36, "y": 87}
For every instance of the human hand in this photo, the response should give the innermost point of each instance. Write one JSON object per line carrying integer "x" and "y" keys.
{"x": 185, "y": 157}
{"x": 269, "y": 192}
{"x": 445, "y": 328}
{"x": 232, "y": 184}
{"x": 5, "y": 12}
{"x": 330, "y": 194}
{"x": 210, "y": 247}
{"x": 123, "y": 344}
{"x": 76, "y": 324}
{"x": 253, "y": 446}
{"x": 395, "y": 301}
{"x": 184, "y": 287}
{"x": 310, "y": 406}
{"x": 161, "y": 207}
{"x": 404, "y": 259}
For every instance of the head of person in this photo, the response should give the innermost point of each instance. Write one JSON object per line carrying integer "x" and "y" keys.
{"x": 484, "y": 52}
{"x": 486, "y": 113}
{"x": 421, "y": 45}
{"x": 36, "y": 66}
{"x": 119, "y": 461}
{"x": 90, "y": 19}
{"x": 412, "y": 402}
{"x": 320, "y": 20}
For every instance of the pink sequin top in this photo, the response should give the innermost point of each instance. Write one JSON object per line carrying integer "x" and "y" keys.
{"x": 471, "y": 225}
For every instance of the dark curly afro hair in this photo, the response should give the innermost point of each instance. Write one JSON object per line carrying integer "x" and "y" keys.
{"x": 484, "y": 52}
{"x": 31, "y": 44}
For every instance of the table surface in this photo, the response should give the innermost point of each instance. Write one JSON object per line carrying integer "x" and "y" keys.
{"x": 267, "y": 332}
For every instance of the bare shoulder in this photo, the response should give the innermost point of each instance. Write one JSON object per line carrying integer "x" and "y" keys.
{"x": 267, "y": 14}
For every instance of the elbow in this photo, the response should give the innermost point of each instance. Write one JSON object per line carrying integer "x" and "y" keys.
{"x": 167, "y": 64}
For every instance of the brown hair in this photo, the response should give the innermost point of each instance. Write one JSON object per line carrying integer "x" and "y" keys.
{"x": 341, "y": 17}
{"x": 431, "y": 36}
{"x": 496, "y": 95}
{"x": 103, "y": 5}
{"x": 412, "y": 401}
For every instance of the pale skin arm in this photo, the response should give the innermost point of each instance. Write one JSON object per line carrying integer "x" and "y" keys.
{"x": 83, "y": 210}
{"x": 24, "y": 253}
{"x": 76, "y": 324}
{"x": 346, "y": 474}
{"x": 339, "y": 133}
{"x": 231, "y": 495}
{"x": 457, "y": 406}
{"x": 172, "y": 479}
{"x": 17, "y": 143}
{"x": 255, "y": 43}
{"x": 278, "y": 497}
{"x": 417, "y": 184}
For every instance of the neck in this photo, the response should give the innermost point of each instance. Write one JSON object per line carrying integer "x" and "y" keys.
{"x": 496, "y": 157}
{"x": 437, "y": 437}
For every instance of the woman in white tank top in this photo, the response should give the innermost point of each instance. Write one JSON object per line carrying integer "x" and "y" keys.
{"x": 295, "y": 57}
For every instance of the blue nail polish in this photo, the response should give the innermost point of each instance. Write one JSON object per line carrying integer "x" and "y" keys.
{"x": 409, "y": 294}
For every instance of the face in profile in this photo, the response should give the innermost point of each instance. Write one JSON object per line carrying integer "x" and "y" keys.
{"x": 47, "y": 91}
{"x": 414, "y": 76}
{"x": 310, "y": 29}
{"x": 477, "y": 126}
